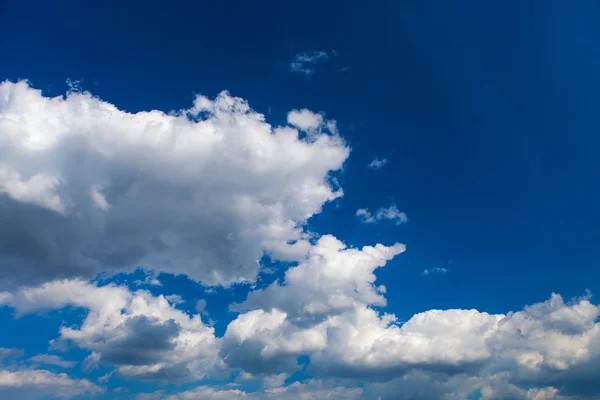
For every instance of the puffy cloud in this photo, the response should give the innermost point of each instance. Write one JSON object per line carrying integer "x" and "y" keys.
{"x": 306, "y": 62}
{"x": 324, "y": 310}
{"x": 34, "y": 384}
{"x": 51, "y": 359}
{"x": 203, "y": 192}
{"x": 378, "y": 163}
{"x": 293, "y": 319}
{"x": 390, "y": 213}
{"x": 142, "y": 335}
{"x": 333, "y": 279}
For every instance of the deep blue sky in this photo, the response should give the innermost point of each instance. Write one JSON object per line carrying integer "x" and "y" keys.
{"x": 486, "y": 111}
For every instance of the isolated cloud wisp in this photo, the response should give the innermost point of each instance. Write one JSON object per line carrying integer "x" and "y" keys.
{"x": 388, "y": 213}
{"x": 306, "y": 62}
{"x": 435, "y": 270}
{"x": 378, "y": 163}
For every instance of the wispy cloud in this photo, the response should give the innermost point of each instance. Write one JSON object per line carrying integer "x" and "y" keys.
{"x": 390, "y": 213}
{"x": 378, "y": 163}
{"x": 435, "y": 270}
{"x": 51, "y": 359}
{"x": 306, "y": 62}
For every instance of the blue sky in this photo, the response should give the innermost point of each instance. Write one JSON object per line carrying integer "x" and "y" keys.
{"x": 485, "y": 117}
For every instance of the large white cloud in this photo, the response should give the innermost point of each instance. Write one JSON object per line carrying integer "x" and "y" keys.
{"x": 203, "y": 192}
{"x": 324, "y": 309}
{"x": 141, "y": 335}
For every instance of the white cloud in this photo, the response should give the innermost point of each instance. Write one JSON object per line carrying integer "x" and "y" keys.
{"x": 51, "y": 359}
{"x": 175, "y": 299}
{"x": 305, "y": 119}
{"x": 85, "y": 186}
{"x": 306, "y": 62}
{"x": 10, "y": 352}
{"x": 274, "y": 381}
{"x": 324, "y": 310}
{"x": 378, "y": 163}
{"x": 35, "y": 384}
{"x": 312, "y": 389}
{"x": 142, "y": 335}
{"x": 201, "y": 307}
{"x": 390, "y": 213}
{"x": 435, "y": 270}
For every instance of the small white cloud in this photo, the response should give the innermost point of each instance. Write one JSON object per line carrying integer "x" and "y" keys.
{"x": 175, "y": 299}
{"x": 10, "y": 352}
{"x": 377, "y": 163}
{"x": 304, "y": 119}
{"x": 436, "y": 270}
{"x": 390, "y": 213}
{"x": 306, "y": 62}
{"x": 51, "y": 359}
{"x": 98, "y": 199}
{"x": 201, "y": 307}
{"x": 365, "y": 215}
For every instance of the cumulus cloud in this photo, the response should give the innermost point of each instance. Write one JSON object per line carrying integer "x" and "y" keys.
{"x": 378, "y": 163}
{"x": 204, "y": 192}
{"x": 35, "y": 384}
{"x": 88, "y": 188}
{"x": 143, "y": 336}
{"x": 324, "y": 309}
{"x": 306, "y": 62}
{"x": 390, "y": 213}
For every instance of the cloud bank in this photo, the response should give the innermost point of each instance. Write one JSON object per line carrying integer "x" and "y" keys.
{"x": 86, "y": 188}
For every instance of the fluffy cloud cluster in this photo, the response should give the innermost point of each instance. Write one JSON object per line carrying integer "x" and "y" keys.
{"x": 204, "y": 192}
{"x": 324, "y": 309}
{"x": 141, "y": 335}
{"x": 86, "y": 187}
